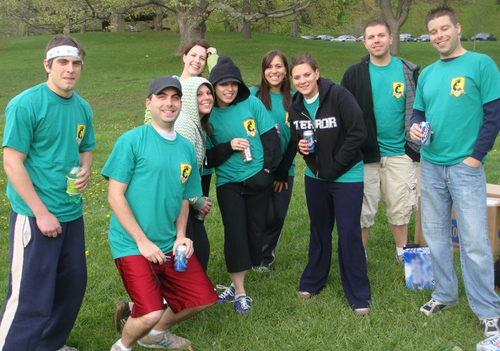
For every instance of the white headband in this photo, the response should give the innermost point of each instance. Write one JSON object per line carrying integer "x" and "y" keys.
{"x": 63, "y": 50}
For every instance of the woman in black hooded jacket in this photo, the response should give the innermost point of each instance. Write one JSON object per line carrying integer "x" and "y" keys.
{"x": 240, "y": 121}
{"x": 333, "y": 180}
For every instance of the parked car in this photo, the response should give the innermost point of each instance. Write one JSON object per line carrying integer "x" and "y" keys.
{"x": 406, "y": 37}
{"x": 324, "y": 37}
{"x": 361, "y": 38}
{"x": 423, "y": 37}
{"x": 344, "y": 38}
{"x": 463, "y": 37}
{"x": 484, "y": 37}
{"x": 308, "y": 37}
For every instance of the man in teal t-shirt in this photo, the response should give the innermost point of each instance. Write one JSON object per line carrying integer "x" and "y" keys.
{"x": 152, "y": 173}
{"x": 384, "y": 87}
{"x": 48, "y": 129}
{"x": 459, "y": 96}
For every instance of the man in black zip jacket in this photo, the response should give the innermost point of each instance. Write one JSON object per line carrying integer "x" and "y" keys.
{"x": 384, "y": 87}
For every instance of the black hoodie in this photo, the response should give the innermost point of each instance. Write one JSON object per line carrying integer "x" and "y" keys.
{"x": 226, "y": 71}
{"x": 339, "y": 130}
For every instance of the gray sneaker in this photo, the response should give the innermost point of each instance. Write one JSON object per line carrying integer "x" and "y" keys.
{"x": 165, "y": 341}
{"x": 263, "y": 268}
{"x": 491, "y": 326}
{"x": 67, "y": 348}
{"x": 433, "y": 307}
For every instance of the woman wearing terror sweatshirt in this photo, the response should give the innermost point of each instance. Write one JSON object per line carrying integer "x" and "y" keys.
{"x": 333, "y": 180}
{"x": 240, "y": 121}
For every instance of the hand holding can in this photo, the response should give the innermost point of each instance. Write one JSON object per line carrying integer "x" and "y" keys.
{"x": 201, "y": 215}
{"x": 426, "y": 133}
{"x": 309, "y": 136}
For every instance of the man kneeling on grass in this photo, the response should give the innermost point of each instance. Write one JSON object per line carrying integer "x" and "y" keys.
{"x": 152, "y": 173}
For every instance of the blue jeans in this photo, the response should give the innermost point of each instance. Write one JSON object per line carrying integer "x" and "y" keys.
{"x": 465, "y": 187}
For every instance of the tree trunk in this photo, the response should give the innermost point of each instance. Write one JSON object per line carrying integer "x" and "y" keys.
{"x": 395, "y": 21}
{"x": 189, "y": 29}
{"x": 117, "y": 23}
{"x": 396, "y": 44}
{"x": 191, "y": 23}
{"x": 157, "y": 22}
{"x": 83, "y": 28}
{"x": 67, "y": 28}
{"x": 294, "y": 31}
{"x": 246, "y": 30}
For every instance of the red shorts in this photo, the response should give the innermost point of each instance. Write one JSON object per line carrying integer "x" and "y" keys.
{"x": 148, "y": 284}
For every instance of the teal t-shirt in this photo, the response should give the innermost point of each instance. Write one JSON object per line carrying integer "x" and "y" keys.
{"x": 355, "y": 174}
{"x": 52, "y": 132}
{"x": 160, "y": 173}
{"x": 389, "y": 106}
{"x": 247, "y": 119}
{"x": 280, "y": 117}
{"x": 452, "y": 94}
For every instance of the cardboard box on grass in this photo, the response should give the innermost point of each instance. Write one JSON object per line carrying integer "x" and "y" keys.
{"x": 418, "y": 269}
{"x": 493, "y": 212}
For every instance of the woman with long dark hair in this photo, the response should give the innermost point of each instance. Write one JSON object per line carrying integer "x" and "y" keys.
{"x": 275, "y": 93}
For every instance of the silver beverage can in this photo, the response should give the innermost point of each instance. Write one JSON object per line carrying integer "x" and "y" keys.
{"x": 426, "y": 133}
{"x": 180, "y": 260}
{"x": 200, "y": 216}
{"x": 247, "y": 154}
{"x": 309, "y": 136}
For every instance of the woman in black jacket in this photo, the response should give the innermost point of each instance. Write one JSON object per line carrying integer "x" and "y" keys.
{"x": 333, "y": 180}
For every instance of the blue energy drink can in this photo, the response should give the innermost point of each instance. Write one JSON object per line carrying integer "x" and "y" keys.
{"x": 309, "y": 137}
{"x": 180, "y": 260}
{"x": 426, "y": 133}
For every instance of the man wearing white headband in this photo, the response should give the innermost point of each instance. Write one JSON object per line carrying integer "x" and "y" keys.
{"x": 48, "y": 131}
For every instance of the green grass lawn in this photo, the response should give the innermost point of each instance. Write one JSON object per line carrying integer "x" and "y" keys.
{"x": 117, "y": 70}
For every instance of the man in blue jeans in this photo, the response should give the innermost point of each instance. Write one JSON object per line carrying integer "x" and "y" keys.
{"x": 459, "y": 96}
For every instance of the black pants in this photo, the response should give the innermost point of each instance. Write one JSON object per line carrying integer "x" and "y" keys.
{"x": 278, "y": 209}
{"x": 205, "y": 184}
{"x": 327, "y": 201}
{"x": 195, "y": 230}
{"x": 243, "y": 213}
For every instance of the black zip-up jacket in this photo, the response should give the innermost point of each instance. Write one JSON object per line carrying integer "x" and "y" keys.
{"x": 339, "y": 130}
{"x": 357, "y": 80}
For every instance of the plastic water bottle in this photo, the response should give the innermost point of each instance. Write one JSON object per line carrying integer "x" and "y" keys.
{"x": 73, "y": 195}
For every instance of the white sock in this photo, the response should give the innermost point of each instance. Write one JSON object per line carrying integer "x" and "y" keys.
{"x": 400, "y": 251}
{"x": 239, "y": 295}
{"x": 156, "y": 332}
{"x": 119, "y": 344}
